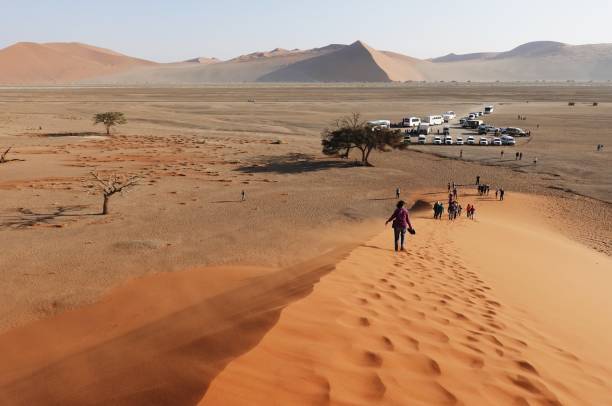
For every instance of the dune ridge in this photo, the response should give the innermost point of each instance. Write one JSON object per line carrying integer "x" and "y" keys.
{"x": 426, "y": 327}
{"x": 359, "y": 325}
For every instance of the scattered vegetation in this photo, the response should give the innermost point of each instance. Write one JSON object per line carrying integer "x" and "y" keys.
{"x": 112, "y": 185}
{"x": 110, "y": 119}
{"x": 352, "y": 133}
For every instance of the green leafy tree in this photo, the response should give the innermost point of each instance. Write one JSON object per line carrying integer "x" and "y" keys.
{"x": 351, "y": 133}
{"x": 110, "y": 119}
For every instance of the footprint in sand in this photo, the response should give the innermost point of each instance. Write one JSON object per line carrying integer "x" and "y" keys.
{"x": 387, "y": 343}
{"x": 527, "y": 367}
{"x": 372, "y": 359}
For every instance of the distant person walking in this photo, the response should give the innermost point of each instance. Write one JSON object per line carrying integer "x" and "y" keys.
{"x": 496, "y": 193}
{"x": 501, "y": 194}
{"x": 502, "y": 154}
{"x": 460, "y": 153}
{"x": 535, "y": 160}
{"x": 478, "y": 180}
{"x": 455, "y": 193}
{"x": 397, "y": 193}
{"x": 520, "y": 156}
{"x": 449, "y": 188}
{"x": 401, "y": 223}
{"x": 516, "y": 156}
{"x": 242, "y": 196}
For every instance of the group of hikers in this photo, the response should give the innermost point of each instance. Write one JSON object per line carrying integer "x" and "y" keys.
{"x": 454, "y": 209}
{"x": 483, "y": 190}
{"x": 401, "y": 219}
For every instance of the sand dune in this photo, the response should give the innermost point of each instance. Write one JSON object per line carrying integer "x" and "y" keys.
{"x": 245, "y": 68}
{"x": 358, "y": 62}
{"x": 60, "y": 63}
{"x": 440, "y": 324}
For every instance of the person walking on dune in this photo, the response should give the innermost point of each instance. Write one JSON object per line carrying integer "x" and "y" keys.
{"x": 397, "y": 193}
{"x": 501, "y": 194}
{"x": 401, "y": 223}
{"x": 242, "y": 196}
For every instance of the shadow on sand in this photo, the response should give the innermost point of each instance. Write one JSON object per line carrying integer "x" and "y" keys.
{"x": 27, "y": 218}
{"x": 294, "y": 163}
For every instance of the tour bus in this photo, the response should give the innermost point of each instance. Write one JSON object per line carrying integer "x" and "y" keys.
{"x": 411, "y": 122}
{"x": 434, "y": 120}
{"x": 488, "y": 109}
{"x": 380, "y": 123}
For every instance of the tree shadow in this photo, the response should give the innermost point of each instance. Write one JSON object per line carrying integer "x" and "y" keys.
{"x": 294, "y": 163}
{"x": 28, "y": 218}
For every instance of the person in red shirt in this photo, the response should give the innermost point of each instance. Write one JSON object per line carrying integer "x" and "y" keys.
{"x": 401, "y": 223}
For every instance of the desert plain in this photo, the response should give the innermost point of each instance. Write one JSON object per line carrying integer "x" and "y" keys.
{"x": 185, "y": 294}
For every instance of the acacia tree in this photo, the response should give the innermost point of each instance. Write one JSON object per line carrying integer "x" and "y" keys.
{"x": 110, "y": 119}
{"x": 352, "y": 133}
{"x": 112, "y": 185}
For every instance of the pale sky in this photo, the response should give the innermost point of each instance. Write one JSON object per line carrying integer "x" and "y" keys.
{"x": 167, "y": 31}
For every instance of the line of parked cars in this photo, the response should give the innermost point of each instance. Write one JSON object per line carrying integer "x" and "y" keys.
{"x": 470, "y": 140}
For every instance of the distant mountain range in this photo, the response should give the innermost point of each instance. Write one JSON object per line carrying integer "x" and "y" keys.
{"x": 64, "y": 63}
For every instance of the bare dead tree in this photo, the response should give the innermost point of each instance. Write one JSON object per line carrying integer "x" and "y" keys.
{"x": 4, "y": 154}
{"x": 112, "y": 185}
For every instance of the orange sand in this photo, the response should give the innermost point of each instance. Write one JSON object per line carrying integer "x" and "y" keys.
{"x": 494, "y": 311}
{"x": 459, "y": 318}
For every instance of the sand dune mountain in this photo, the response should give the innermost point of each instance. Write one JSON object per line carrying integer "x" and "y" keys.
{"x": 28, "y": 62}
{"x": 544, "y": 60}
{"x": 25, "y": 63}
{"x": 202, "y": 60}
{"x": 245, "y": 68}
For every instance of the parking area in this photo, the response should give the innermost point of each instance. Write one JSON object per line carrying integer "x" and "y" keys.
{"x": 474, "y": 129}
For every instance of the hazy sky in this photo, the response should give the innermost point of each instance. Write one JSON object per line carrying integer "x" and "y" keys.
{"x": 180, "y": 29}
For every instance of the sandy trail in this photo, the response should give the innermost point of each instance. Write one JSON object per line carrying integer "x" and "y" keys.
{"x": 442, "y": 324}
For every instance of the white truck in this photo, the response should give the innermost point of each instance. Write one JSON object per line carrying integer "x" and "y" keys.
{"x": 448, "y": 116}
{"x": 434, "y": 120}
{"x": 380, "y": 123}
{"x": 411, "y": 122}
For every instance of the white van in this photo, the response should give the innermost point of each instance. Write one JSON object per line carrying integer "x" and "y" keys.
{"x": 411, "y": 122}
{"x": 422, "y": 139}
{"x": 489, "y": 109}
{"x": 434, "y": 120}
{"x": 448, "y": 140}
{"x": 380, "y": 123}
{"x": 448, "y": 116}
{"x": 437, "y": 140}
